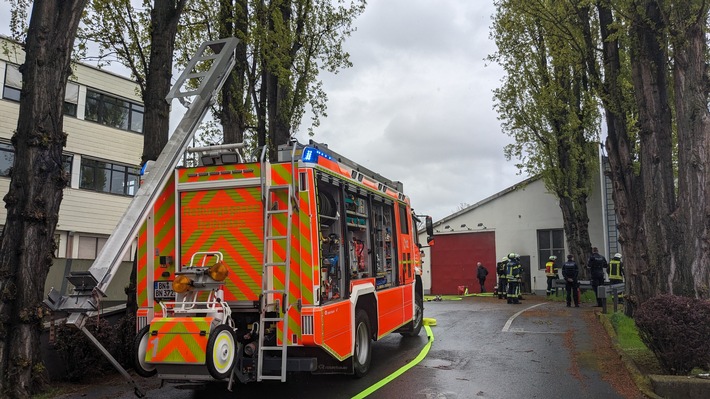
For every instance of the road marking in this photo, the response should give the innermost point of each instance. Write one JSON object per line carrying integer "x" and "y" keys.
{"x": 506, "y": 327}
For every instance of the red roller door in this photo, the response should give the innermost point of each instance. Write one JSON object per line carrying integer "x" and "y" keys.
{"x": 454, "y": 258}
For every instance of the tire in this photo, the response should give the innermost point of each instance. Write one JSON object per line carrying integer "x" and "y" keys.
{"x": 362, "y": 351}
{"x": 418, "y": 321}
{"x": 221, "y": 352}
{"x": 140, "y": 346}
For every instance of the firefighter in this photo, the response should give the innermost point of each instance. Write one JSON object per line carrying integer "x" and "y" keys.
{"x": 596, "y": 265}
{"x": 616, "y": 269}
{"x": 570, "y": 272}
{"x": 502, "y": 272}
{"x": 514, "y": 271}
{"x": 551, "y": 273}
{"x": 616, "y": 272}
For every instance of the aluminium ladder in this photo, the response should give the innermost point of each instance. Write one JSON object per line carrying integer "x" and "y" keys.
{"x": 269, "y": 301}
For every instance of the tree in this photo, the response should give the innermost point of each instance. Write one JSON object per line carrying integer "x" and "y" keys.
{"x": 659, "y": 174}
{"x": 286, "y": 44}
{"x": 35, "y": 193}
{"x": 547, "y": 104}
{"x": 143, "y": 40}
{"x": 646, "y": 63}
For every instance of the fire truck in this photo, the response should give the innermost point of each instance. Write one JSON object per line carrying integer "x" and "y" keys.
{"x": 261, "y": 268}
{"x": 247, "y": 271}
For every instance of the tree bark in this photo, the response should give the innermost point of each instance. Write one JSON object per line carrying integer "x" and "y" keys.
{"x": 233, "y": 18}
{"x": 688, "y": 274}
{"x": 650, "y": 80}
{"x": 627, "y": 191}
{"x": 164, "y": 21}
{"x": 35, "y": 193}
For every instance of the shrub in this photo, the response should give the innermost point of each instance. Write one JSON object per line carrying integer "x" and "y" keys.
{"x": 677, "y": 330}
{"x": 82, "y": 359}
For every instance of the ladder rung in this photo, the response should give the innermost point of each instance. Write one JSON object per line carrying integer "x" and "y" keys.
{"x": 271, "y": 264}
{"x": 273, "y": 319}
{"x": 272, "y": 348}
{"x": 275, "y": 187}
{"x": 273, "y": 291}
{"x": 276, "y": 237}
{"x": 271, "y": 377}
{"x": 277, "y": 211}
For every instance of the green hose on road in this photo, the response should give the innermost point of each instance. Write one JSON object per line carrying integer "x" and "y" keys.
{"x": 427, "y": 322}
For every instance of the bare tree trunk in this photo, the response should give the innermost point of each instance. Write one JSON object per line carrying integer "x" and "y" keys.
{"x": 278, "y": 83}
{"x": 688, "y": 274}
{"x": 650, "y": 81}
{"x": 233, "y": 113}
{"x": 35, "y": 193}
{"x": 164, "y": 21}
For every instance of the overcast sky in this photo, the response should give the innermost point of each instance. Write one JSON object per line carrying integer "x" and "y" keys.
{"x": 417, "y": 104}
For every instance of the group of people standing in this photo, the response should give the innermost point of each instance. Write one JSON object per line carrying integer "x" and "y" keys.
{"x": 510, "y": 272}
{"x": 596, "y": 264}
{"x": 510, "y": 276}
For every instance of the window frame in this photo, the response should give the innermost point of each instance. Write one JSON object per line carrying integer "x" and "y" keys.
{"x": 545, "y": 253}
{"x": 107, "y": 169}
{"x": 104, "y": 102}
{"x": 9, "y": 87}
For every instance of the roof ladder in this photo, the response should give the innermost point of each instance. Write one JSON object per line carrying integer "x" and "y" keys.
{"x": 275, "y": 300}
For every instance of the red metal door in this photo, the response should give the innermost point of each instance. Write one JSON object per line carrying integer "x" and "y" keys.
{"x": 454, "y": 259}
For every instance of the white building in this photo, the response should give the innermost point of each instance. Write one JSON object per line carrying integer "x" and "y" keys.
{"x": 525, "y": 219}
{"x": 104, "y": 122}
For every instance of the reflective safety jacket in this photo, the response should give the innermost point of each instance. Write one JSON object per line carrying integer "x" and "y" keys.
{"x": 502, "y": 269}
{"x": 515, "y": 269}
{"x": 551, "y": 269}
{"x": 616, "y": 269}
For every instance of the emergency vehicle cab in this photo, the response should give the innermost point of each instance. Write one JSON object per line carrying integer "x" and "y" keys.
{"x": 247, "y": 271}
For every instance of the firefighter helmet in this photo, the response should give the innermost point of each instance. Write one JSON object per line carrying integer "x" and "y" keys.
{"x": 504, "y": 259}
{"x": 617, "y": 255}
{"x": 512, "y": 255}
{"x": 553, "y": 257}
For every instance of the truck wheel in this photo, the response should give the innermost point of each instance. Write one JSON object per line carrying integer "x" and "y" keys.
{"x": 140, "y": 346}
{"x": 221, "y": 349}
{"x": 418, "y": 317}
{"x": 362, "y": 355}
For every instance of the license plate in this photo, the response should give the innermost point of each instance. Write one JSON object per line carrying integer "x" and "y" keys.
{"x": 163, "y": 290}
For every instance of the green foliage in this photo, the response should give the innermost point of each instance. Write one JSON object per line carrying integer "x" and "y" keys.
{"x": 293, "y": 46}
{"x": 122, "y": 34}
{"x": 545, "y": 102}
{"x": 626, "y": 331}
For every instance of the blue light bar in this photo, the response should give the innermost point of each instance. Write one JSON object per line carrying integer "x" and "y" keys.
{"x": 311, "y": 155}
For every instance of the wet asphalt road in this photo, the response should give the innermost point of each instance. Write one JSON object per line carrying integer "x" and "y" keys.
{"x": 481, "y": 349}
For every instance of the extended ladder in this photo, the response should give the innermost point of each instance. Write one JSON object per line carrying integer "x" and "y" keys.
{"x": 275, "y": 300}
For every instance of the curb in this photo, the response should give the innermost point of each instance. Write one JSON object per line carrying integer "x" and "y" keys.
{"x": 642, "y": 381}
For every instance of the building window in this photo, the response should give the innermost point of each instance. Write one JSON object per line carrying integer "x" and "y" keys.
{"x": 113, "y": 111}
{"x": 13, "y": 83}
{"x": 91, "y": 246}
{"x": 106, "y": 177}
{"x": 7, "y": 157}
{"x": 13, "y": 87}
{"x": 71, "y": 99}
{"x": 550, "y": 242}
